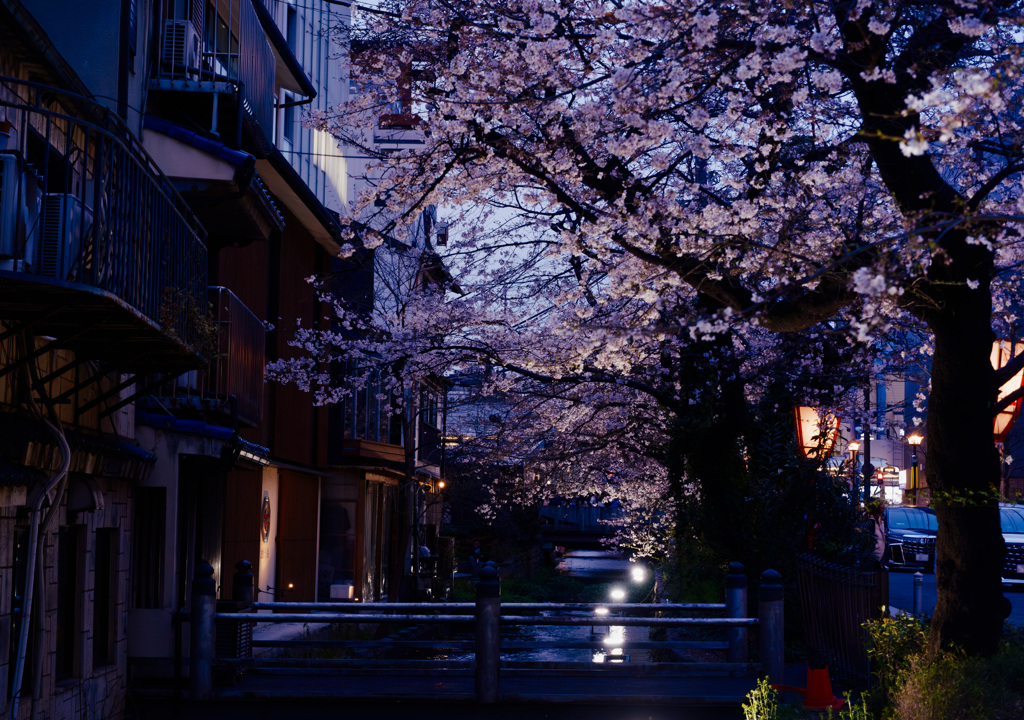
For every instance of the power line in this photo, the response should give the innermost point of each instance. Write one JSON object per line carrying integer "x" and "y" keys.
{"x": 343, "y": 3}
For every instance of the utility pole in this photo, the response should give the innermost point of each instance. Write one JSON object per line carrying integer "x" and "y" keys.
{"x": 868, "y": 468}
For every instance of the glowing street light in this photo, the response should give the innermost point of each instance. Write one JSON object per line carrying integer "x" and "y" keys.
{"x": 638, "y": 573}
{"x": 854, "y": 447}
{"x": 617, "y": 594}
{"x": 914, "y": 439}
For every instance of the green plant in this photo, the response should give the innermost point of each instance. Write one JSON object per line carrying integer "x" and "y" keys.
{"x": 953, "y": 686}
{"x": 894, "y": 643}
{"x": 763, "y": 702}
{"x": 852, "y": 710}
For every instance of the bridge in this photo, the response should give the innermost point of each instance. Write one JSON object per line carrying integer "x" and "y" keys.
{"x": 471, "y": 659}
{"x": 578, "y": 526}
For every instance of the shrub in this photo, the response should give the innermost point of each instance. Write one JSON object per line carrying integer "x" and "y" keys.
{"x": 894, "y": 643}
{"x": 948, "y": 686}
{"x": 952, "y": 686}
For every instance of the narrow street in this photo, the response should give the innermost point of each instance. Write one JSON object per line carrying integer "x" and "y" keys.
{"x": 901, "y": 595}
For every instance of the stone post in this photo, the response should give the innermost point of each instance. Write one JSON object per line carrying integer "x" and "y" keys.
{"x": 736, "y": 607}
{"x": 242, "y": 588}
{"x": 488, "y": 633}
{"x": 203, "y": 642}
{"x": 772, "y": 629}
{"x": 918, "y": 594}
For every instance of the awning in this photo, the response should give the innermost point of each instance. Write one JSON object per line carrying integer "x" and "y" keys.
{"x": 236, "y": 448}
{"x": 291, "y": 190}
{"x": 30, "y": 452}
{"x": 219, "y": 183}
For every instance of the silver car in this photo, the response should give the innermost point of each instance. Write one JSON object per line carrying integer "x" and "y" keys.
{"x": 1011, "y": 517}
{"x": 910, "y": 535}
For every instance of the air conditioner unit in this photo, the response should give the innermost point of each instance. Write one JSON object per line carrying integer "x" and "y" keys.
{"x": 64, "y": 222}
{"x": 10, "y": 181}
{"x": 21, "y": 197}
{"x": 31, "y": 218}
{"x": 180, "y": 45}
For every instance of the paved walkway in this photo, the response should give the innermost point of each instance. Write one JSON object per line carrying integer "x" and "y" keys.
{"x": 449, "y": 695}
{"x": 515, "y": 687}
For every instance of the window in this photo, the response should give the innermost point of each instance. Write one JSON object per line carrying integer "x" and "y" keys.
{"x": 148, "y": 526}
{"x": 104, "y": 618}
{"x": 288, "y": 121}
{"x": 337, "y": 546}
{"x": 291, "y": 30}
{"x": 69, "y": 600}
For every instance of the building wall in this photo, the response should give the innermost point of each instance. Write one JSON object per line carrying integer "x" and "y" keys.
{"x": 150, "y": 628}
{"x": 96, "y": 685}
{"x": 297, "y": 535}
{"x": 311, "y": 28}
{"x": 88, "y": 36}
{"x": 300, "y": 433}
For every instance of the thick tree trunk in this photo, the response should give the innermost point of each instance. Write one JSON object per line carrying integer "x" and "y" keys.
{"x": 963, "y": 475}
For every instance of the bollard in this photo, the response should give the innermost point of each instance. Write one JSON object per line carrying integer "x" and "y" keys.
{"x": 488, "y": 633}
{"x": 772, "y": 628}
{"x": 241, "y": 590}
{"x": 918, "y": 593}
{"x": 203, "y": 643}
{"x": 736, "y": 607}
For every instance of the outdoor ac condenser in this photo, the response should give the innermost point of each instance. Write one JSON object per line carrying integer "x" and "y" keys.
{"x": 180, "y": 45}
{"x": 10, "y": 179}
{"x": 65, "y": 220}
{"x": 21, "y": 197}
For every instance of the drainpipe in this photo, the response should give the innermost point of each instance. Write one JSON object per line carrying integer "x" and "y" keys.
{"x": 37, "y": 525}
{"x": 34, "y": 556}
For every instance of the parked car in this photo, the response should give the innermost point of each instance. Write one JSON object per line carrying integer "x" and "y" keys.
{"x": 910, "y": 538}
{"x": 1011, "y": 517}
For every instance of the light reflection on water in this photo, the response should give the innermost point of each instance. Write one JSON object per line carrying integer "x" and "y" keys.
{"x": 607, "y": 639}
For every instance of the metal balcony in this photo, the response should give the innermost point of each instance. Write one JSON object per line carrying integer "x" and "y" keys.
{"x": 230, "y": 390}
{"x": 216, "y": 65}
{"x": 97, "y": 250}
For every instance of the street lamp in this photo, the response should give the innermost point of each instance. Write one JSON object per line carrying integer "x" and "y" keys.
{"x": 853, "y": 447}
{"x": 914, "y": 439}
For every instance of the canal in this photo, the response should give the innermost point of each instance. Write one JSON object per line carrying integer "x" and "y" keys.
{"x": 427, "y": 694}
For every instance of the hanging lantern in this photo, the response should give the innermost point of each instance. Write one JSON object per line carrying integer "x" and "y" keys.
{"x": 816, "y": 434}
{"x": 1002, "y": 352}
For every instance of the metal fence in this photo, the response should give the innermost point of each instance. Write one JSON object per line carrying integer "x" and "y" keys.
{"x": 479, "y": 647}
{"x": 835, "y": 602}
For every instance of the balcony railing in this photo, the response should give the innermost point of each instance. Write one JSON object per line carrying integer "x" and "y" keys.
{"x": 230, "y": 389}
{"x": 218, "y": 47}
{"x": 83, "y": 209}
{"x": 237, "y": 368}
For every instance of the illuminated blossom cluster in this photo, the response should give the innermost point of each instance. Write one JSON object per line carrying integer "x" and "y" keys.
{"x": 626, "y": 181}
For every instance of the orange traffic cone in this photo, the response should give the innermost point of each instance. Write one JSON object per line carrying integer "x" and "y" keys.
{"x": 819, "y": 691}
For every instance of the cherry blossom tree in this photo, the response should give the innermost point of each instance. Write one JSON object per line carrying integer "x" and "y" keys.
{"x": 795, "y": 167}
